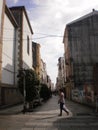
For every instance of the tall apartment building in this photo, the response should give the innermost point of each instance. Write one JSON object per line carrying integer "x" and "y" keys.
{"x": 43, "y": 72}
{"x": 81, "y": 56}
{"x": 36, "y": 58}
{"x": 61, "y": 73}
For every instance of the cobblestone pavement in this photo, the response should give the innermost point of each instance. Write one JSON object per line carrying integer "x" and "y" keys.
{"x": 46, "y": 117}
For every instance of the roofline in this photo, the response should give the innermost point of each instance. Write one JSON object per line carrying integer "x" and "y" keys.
{"x": 36, "y": 43}
{"x": 10, "y": 16}
{"x": 94, "y": 12}
{"x": 23, "y": 9}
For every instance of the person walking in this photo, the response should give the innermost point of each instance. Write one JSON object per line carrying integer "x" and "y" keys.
{"x": 61, "y": 101}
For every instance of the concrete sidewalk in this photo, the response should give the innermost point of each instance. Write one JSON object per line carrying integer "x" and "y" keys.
{"x": 50, "y": 105}
{"x": 16, "y": 109}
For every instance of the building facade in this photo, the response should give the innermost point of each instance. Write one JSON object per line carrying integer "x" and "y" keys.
{"x": 15, "y": 50}
{"x": 43, "y": 72}
{"x": 61, "y": 73}
{"x": 25, "y": 37}
{"x": 81, "y": 57}
{"x": 2, "y": 11}
{"x": 36, "y": 58}
{"x": 8, "y": 88}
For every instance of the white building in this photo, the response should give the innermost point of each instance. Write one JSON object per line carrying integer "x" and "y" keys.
{"x": 9, "y": 42}
{"x": 7, "y": 56}
{"x": 15, "y": 50}
{"x": 25, "y": 37}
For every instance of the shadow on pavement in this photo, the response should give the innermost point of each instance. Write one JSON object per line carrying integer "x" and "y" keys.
{"x": 10, "y": 113}
{"x": 62, "y": 123}
{"x": 82, "y": 122}
{"x": 45, "y": 118}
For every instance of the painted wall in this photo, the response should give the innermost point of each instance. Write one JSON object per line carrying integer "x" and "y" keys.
{"x": 8, "y": 52}
{"x": 1, "y": 5}
{"x": 27, "y": 58}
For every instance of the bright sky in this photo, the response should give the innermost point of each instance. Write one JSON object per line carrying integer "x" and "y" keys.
{"x": 48, "y": 19}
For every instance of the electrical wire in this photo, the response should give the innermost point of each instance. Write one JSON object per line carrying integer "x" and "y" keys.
{"x": 45, "y": 35}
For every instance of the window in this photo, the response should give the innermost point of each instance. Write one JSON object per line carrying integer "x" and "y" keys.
{"x": 28, "y": 46}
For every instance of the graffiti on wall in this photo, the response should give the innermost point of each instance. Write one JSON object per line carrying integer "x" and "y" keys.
{"x": 77, "y": 95}
{"x": 89, "y": 93}
{"x": 86, "y": 95}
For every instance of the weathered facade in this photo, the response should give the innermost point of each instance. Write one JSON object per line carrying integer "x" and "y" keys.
{"x": 39, "y": 65}
{"x": 49, "y": 81}
{"x": 81, "y": 57}
{"x": 43, "y": 72}
{"x": 61, "y": 73}
{"x": 36, "y": 58}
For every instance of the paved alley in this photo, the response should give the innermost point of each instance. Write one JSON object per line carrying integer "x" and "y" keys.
{"x": 45, "y": 117}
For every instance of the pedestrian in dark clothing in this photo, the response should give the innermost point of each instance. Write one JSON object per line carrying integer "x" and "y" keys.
{"x": 61, "y": 101}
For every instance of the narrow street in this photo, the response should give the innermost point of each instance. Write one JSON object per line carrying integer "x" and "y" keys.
{"x": 45, "y": 117}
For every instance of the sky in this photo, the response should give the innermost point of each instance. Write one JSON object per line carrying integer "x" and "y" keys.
{"x": 48, "y": 19}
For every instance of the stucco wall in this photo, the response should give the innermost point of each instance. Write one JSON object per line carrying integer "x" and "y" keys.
{"x": 1, "y": 5}
{"x": 8, "y": 52}
{"x": 27, "y": 58}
